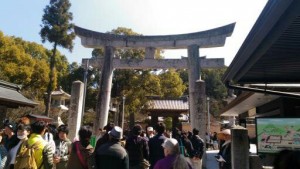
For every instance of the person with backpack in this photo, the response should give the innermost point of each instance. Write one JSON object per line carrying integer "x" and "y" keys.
{"x": 22, "y": 134}
{"x": 198, "y": 145}
{"x": 35, "y": 153}
{"x": 63, "y": 148}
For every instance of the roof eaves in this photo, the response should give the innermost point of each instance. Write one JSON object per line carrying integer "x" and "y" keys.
{"x": 269, "y": 17}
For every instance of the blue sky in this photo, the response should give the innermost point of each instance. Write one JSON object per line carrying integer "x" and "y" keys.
{"x": 22, "y": 18}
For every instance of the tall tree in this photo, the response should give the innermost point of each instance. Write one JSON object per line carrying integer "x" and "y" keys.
{"x": 57, "y": 29}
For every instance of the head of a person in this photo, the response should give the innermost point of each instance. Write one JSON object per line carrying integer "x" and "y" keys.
{"x": 176, "y": 133}
{"x": 171, "y": 147}
{"x": 23, "y": 131}
{"x": 137, "y": 130}
{"x": 150, "y": 130}
{"x": 109, "y": 126}
{"x": 85, "y": 134}
{"x": 195, "y": 131}
{"x": 39, "y": 127}
{"x": 225, "y": 135}
{"x": 184, "y": 134}
{"x": 9, "y": 129}
{"x": 160, "y": 128}
{"x": 63, "y": 132}
{"x": 115, "y": 134}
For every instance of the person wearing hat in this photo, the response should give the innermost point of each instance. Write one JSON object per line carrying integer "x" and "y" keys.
{"x": 105, "y": 138}
{"x": 173, "y": 159}
{"x": 150, "y": 132}
{"x": 224, "y": 155}
{"x": 137, "y": 148}
{"x": 112, "y": 154}
{"x": 11, "y": 139}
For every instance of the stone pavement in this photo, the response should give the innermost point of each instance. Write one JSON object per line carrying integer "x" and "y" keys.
{"x": 211, "y": 160}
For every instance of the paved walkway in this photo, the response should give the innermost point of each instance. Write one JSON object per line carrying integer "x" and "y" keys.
{"x": 211, "y": 160}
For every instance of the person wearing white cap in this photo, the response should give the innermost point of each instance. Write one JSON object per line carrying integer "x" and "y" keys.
{"x": 150, "y": 132}
{"x": 173, "y": 159}
{"x": 112, "y": 154}
{"x": 224, "y": 155}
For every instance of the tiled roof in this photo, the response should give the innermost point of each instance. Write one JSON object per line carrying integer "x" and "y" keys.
{"x": 39, "y": 117}
{"x": 61, "y": 93}
{"x": 10, "y": 96}
{"x": 168, "y": 104}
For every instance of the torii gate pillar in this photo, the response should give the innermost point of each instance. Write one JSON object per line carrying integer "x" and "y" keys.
{"x": 105, "y": 89}
{"x": 196, "y": 90}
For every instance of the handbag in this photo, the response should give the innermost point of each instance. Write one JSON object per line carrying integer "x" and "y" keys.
{"x": 82, "y": 161}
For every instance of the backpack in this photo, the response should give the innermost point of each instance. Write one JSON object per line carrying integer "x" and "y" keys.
{"x": 25, "y": 157}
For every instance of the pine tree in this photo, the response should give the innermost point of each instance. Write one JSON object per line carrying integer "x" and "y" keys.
{"x": 56, "y": 29}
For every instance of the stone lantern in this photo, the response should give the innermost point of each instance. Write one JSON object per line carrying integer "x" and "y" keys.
{"x": 59, "y": 98}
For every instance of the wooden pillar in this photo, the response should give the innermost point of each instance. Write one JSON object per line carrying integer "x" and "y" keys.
{"x": 102, "y": 106}
{"x": 154, "y": 120}
{"x": 131, "y": 120}
{"x": 149, "y": 53}
{"x": 175, "y": 122}
{"x": 239, "y": 148}
{"x": 3, "y": 111}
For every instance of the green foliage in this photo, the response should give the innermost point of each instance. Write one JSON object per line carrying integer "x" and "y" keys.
{"x": 168, "y": 123}
{"x": 214, "y": 86}
{"x": 138, "y": 87}
{"x": 26, "y": 63}
{"x": 171, "y": 84}
{"x": 56, "y": 26}
{"x": 19, "y": 66}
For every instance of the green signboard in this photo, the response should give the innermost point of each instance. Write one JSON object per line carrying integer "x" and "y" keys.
{"x": 276, "y": 134}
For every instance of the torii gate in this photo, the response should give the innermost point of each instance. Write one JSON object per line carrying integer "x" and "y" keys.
{"x": 192, "y": 41}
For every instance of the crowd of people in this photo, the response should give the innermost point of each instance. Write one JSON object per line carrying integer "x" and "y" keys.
{"x": 212, "y": 141}
{"x": 43, "y": 146}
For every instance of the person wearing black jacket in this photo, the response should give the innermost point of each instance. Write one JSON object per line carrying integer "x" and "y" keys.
{"x": 137, "y": 148}
{"x": 112, "y": 154}
{"x": 155, "y": 149}
{"x": 224, "y": 155}
{"x": 189, "y": 149}
{"x": 198, "y": 145}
